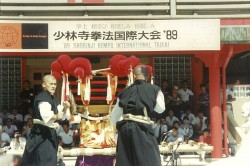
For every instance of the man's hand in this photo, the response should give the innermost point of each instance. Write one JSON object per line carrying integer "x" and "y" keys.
{"x": 66, "y": 104}
{"x": 59, "y": 115}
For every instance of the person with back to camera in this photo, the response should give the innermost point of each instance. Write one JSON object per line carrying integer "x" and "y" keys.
{"x": 41, "y": 146}
{"x": 137, "y": 145}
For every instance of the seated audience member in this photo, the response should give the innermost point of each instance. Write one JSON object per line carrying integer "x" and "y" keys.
{"x": 66, "y": 135}
{"x": 180, "y": 130}
{"x": 174, "y": 136}
{"x": 165, "y": 89}
{"x": 170, "y": 119}
{"x": 190, "y": 116}
{"x": 27, "y": 128}
{"x": 17, "y": 118}
{"x": 4, "y": 114}
{"x": 18, "y": 142}
{"x": 9, "y": 128}
{"x": 204, "y": 138}
{"x": 200, "y": 123}
{"x": 29, "y": 115}
{"x": 203, "y": 100}
{"x": 174, "y": 102}
{"x": 187, "y": 129}
{"x": 186, "y": 95}
{"x": 159, "y": 128}
{"x": 4, "y": 138}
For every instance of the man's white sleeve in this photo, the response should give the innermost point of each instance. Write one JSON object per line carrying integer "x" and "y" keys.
{"x": 45, "y": 111}
{"x": 116, "y": 113}
{"x": 160, "y": 103}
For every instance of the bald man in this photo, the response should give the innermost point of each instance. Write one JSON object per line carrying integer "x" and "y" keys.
{"x": 136, "y": 144}
{"x": 41, "y": 146}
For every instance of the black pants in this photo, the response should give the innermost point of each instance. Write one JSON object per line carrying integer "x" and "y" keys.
{"x": 136, "y": 145}
{"x": 41, "y": 147}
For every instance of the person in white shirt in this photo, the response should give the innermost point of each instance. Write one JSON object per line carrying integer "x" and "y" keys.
{"x": 180, "y": 130}
{"x": 189, "y": 115}
{"x": 187, "y": 129}
{"x": 159, "y": 128}
{"x": 15, "y": 116}
{"x": 174, "y": 136}
{"x": 4, "y": 114}
{"x": 200, "y": 123}
{"x": 9, "y": 128}
{"x": 4, "y": 138}
{"x": 17, "y": 119}
{"x": 185, "y": 93}
{"x": 66, "y": 135}
{"x": 27, "y": 128}
{"x": 170, "y": 119}
{"x": 186, "y": 96}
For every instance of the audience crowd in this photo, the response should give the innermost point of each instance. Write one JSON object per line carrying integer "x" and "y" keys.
{"x": 178, "y": 116}
{"x": 179, "y": 123}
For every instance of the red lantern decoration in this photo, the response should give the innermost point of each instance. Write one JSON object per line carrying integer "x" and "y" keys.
{"x": 115, "y": 65}
{"x": 64, "y": 61}
{"x": 56, "y": 66}
{"x": 127, "y": 65}
{"x": 57, "y": 75}
{"x": 82, "y": 63}
{"x": 133, "y": 61}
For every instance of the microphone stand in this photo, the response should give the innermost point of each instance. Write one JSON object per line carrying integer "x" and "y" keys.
{"x": 166, "y": 135}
